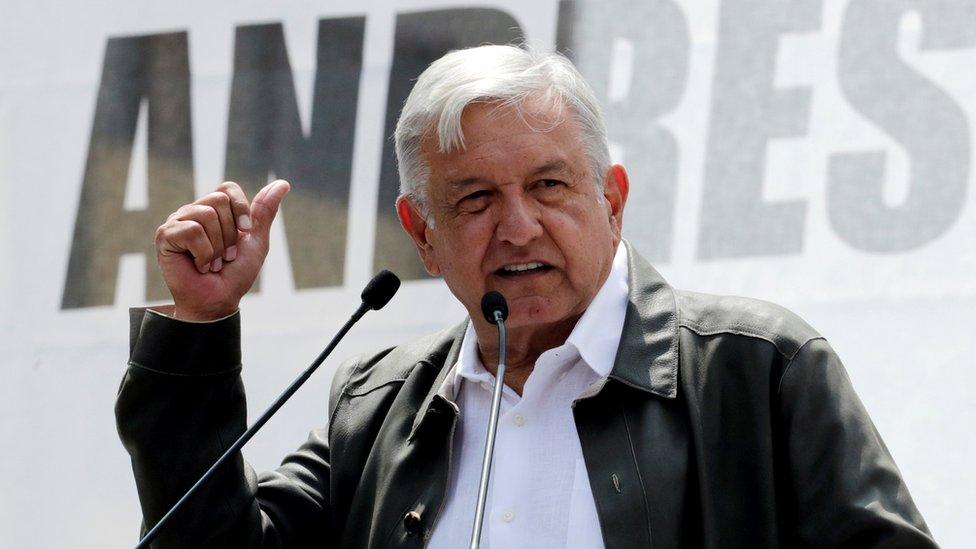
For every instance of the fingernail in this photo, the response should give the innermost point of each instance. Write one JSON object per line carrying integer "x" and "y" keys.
{"x": 216, "y": 265}
{"x": 244, "y": 222}
{"x": 230, "y": 254}
{"x": 204, "y": 269}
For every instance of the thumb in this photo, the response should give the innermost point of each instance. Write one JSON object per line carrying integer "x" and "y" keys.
{"x": 264, "y": 207}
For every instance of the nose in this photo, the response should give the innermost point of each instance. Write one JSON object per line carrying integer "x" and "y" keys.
{"x": 518, "y": 221}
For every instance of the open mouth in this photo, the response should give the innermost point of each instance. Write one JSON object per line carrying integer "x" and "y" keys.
{"x": 522, "y": 269}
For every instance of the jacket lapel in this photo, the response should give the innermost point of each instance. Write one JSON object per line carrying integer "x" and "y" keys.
{"x": 445, "y": 362}
{"x": 647, "y": 357}
{"x": 632, "y": 429}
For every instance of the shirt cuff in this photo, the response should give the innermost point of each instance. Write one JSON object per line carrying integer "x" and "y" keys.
{"x": 161, "y": 343}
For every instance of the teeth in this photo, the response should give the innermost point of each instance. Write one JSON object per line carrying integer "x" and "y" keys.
{"x": 519, "y": 267}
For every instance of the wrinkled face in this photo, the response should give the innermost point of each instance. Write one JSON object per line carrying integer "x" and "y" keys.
{"x": 517, "y": 211}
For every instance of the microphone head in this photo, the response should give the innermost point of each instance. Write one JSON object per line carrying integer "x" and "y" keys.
{"x": 380, "y": 290}
{"x": 491, "y": 302}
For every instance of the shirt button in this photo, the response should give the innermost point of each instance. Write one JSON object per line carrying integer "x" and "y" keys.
{"x": 508, "y": 516}
{"x": 519, "y": 419}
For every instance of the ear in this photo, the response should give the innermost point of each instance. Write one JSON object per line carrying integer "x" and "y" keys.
{"x": 616, "y": 186}
{"x": 415, "y": 225}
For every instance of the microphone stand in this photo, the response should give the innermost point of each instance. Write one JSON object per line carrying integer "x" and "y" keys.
{"x": 496, "y": 400}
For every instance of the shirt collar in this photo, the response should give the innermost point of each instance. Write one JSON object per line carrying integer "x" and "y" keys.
{"x": 596, "y": 335}
{"x": 469, "y": 364}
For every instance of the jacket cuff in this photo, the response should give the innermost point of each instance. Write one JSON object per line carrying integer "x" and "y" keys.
{"x": 170, "y": 346}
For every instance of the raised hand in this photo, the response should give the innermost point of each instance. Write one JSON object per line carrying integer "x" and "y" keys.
{"x": 212, "y": 250}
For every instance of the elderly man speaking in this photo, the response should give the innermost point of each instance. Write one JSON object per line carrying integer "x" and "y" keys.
{"x": 633, "y": 414}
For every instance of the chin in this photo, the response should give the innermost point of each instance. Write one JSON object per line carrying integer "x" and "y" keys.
{"x": 534, "y": 312}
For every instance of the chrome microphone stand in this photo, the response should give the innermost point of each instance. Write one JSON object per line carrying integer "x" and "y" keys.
{"x": 496, "y": 311}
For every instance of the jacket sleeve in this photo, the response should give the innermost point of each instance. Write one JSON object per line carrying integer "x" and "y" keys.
{"x": 180, "y": 406}
{"x": 849, "y": 492}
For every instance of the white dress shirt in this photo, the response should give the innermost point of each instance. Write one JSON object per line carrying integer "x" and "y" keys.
{"x": 540, "y": 494}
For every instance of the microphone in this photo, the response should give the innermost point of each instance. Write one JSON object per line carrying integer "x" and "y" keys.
{"x": 495, "y": 309}
{"x": 377, "y": 293}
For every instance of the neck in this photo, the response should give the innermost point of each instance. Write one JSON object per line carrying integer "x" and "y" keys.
{"x": 523, "y": 346}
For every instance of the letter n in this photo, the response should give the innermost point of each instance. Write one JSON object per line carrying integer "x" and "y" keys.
{"x": 265, "y": 136}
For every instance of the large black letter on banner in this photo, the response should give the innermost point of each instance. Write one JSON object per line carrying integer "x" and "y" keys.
{"x": 420, "y": 39}
{"x": 915, "y": 112}
{"x": 264, "y": 136}
{"x": 154, "y": 69}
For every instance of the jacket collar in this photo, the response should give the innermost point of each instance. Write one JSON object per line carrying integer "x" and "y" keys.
{"x": 647, "y": 357}
{"x": 445, "y": 361}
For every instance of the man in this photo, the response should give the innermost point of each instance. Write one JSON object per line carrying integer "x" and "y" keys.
{"x": 634, "y": 415}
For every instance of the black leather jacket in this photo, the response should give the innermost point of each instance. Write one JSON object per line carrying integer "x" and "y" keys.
{"x": 725, "y": 422}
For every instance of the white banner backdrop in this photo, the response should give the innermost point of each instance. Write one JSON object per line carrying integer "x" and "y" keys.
{"x": 815, "y": 153}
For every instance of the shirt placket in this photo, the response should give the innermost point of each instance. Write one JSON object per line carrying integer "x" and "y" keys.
{"x": 508, "y": 475}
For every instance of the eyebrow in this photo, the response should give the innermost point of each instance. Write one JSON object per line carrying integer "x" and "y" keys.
{"x": 461, "y": 183}
{"x": 550, "y": 166}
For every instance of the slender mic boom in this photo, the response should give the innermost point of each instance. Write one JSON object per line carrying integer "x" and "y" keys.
{"x": 376, "y": 294}
{"x": 495, "y": 309}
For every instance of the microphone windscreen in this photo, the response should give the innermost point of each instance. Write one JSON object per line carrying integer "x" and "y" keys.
{"x": 491, "y": 302}
{"x": 380, "y": 290}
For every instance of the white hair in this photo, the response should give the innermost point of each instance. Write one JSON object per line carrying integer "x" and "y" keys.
{"x": 506, "y": 75}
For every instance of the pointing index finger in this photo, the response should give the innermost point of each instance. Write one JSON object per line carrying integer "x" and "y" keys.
{"x": 239, "y": 204}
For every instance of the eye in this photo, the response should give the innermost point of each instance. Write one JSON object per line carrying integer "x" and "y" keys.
{"x": 550, "y": 183}
{"x": 474, "y": 202}
{"x": 474, "y": 199}
{"x": 475, "y": 196}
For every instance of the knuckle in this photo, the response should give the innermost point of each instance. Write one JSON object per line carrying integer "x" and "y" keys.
{"x": 160, "y": 234}
{"x": 217, "y": 198}
{"x": 235, "y": 194}
{"x": 196, "y": 231}
{"x": 188, "y": 212}
{"x": 209, "y": 214}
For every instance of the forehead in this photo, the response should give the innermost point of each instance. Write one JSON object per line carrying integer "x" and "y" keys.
{"x": 502, "y": 142}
